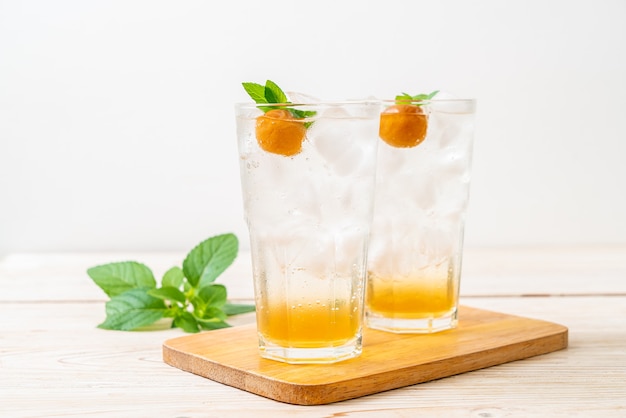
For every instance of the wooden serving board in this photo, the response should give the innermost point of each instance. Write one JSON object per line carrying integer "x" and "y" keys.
{"x": 389, "y": 361}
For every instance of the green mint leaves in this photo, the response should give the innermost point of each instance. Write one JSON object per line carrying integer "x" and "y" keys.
{"x": 406, "y": 98}
{"x": 188, "y": 295}
{"x": 271, "y": 93}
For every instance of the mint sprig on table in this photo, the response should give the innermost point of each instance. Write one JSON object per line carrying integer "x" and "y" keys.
{"x": 406, "y": 98}
{"x": 270, "y": 93}
{"x": 188, "y": 295}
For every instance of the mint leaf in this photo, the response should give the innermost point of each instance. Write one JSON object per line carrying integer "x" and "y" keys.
{"x": 212, "y": 295}
{"x": 168, "y": 293}
{"x": 274, "y": 94}
{"x": 132, "y": 309}
{"x": 208, "y": 302}
{"x": 237, "y": 308}
{"x": 173, "y": 277}
{"x": 135, "y": 301}
{"x": 187, "y": 322}
{"x": 256, "y": 92}
{"x": 212, "y": 312}
{"x": 406, "y": 98}
{"x": 117, "y": 278}
{"x": 431, "y": 95}
{"x": 210, "y": 324}
{"x": 209, "y": 259}
{"x": 303, "y": 114}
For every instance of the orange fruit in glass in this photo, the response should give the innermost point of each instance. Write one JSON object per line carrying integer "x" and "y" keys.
{"x": 403, "y": 125}
{"x": 279, "y": 132}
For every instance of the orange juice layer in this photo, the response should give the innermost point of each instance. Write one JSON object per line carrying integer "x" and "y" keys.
{"x": 308, "y": 325}
{"x": 410, "y": 299}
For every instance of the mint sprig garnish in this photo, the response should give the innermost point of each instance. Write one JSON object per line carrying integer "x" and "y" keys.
{"x": 406, "y": 98}
{"x": 270, "y": 93}
{"x": 188, "y": 295}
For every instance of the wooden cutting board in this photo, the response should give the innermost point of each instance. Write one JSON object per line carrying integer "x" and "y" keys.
{"x": 389, "y": 361}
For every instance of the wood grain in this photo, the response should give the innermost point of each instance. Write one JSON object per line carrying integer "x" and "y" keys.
{"x": 389, "y": 361}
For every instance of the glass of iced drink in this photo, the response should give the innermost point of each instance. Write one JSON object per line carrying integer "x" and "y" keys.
{"x": 422, "y": 193}
{"x": 308, "y": 190}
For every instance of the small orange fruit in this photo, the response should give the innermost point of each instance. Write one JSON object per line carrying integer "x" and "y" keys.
{"x": 403, "y": 125}
{"x": 279, "y": 132}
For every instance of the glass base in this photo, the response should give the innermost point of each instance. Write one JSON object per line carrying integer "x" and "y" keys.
{"x": 426, "y": 325}
{"x": 321, "y": 355}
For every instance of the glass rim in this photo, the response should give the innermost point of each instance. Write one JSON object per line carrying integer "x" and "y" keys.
{"x": 450, "y": 100}
{"x": 320, "y": 103}
{"x": 356, "y": 102}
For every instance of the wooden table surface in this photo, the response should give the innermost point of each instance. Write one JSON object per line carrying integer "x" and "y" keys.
{"x": 55, "y": 362}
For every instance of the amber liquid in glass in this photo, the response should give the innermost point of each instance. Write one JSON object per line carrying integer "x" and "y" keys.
{"x": 410, "y": 298}
{"x": 311, "y": 324}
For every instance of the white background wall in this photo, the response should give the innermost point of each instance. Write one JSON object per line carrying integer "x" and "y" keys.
{"x": 117, "y": 127}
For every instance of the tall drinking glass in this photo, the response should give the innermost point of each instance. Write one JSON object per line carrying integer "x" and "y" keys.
{"x": 422, "y": 193}
{"x": 308, "y": 203}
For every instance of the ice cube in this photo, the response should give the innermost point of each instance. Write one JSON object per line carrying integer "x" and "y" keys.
{"x": 335, "y": 143}
{"x": 301, "y": 98}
